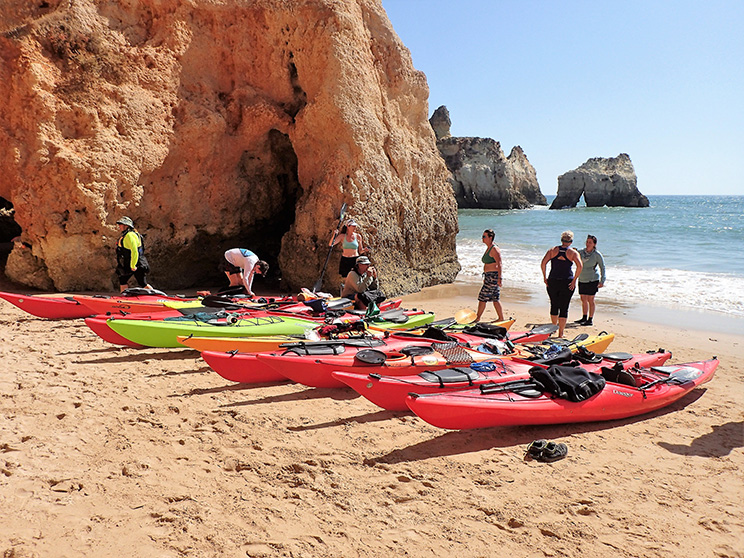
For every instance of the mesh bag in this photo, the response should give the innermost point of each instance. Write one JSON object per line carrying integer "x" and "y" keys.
{"x": 453, "y": 352}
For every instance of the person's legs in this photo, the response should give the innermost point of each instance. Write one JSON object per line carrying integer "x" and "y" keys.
{"x": 553, "y": 295}
{"x": 481, "y": 309}
{"x": 499, "y": 310}
{"x": 124, "y": 281}
{"x": 592, "y": 307}
{"x": 234, "y": 278}
{"x": 584, "y": 308}
{"x": 564, "y": 300}
{"x": 141, "y": 276}
{"x": 490, "y": 292}
{"x": 561, "y": 325}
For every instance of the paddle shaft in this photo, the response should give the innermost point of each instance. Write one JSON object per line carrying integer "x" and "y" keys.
{"x": 319, "y": 282}
{"x": 539, "y": 330}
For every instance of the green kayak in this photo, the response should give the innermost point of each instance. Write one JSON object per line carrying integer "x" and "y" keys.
{"x": 164, "y": 333}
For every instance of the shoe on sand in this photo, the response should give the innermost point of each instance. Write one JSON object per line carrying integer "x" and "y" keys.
{"x": 553, "y": 452}
{"x": 535, "y": 449}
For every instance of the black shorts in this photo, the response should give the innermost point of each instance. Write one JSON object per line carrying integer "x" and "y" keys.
{"x": 230, "y": 268}
{"x": 589, "y": 288}
{"x": 346, "y": 265}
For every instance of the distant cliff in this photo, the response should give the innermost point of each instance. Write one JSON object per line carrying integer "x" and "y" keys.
{"x": 602, "y": 181}
{"x": 482, "y": 176}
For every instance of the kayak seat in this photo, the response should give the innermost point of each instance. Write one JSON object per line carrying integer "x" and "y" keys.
{"x": 618, "y": 375}
{"x": 617, "y": 357}
{"x": 417, "y": 350}
{"x": 450, "y": 376}
{"x": 305, "y": 350}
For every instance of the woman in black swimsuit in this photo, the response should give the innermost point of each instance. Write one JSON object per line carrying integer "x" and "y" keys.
{"x": 562, "y": 281}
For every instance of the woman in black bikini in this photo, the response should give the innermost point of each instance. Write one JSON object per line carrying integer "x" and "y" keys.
{"x": 561, "y": 282}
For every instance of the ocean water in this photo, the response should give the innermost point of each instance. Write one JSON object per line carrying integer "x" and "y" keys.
{"x": 683, "y": 252}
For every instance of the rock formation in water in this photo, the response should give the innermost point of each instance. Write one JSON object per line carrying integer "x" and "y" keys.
{"x": 602, "y": 181}
{"x": 440, "y": 123}
{"x": 482, "y": 176}
{"x": 215, "y": 125}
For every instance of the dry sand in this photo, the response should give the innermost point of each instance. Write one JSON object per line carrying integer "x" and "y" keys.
{"x": 108, "y": 451}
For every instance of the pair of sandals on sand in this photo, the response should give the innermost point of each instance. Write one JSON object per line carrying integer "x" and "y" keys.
{"x": 547, "y": 452}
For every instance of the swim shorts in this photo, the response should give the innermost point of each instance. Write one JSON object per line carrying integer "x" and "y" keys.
{"x": 490, "y": 292}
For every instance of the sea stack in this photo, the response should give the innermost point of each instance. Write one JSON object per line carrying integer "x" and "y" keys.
{"x": 602, "y": 181}
{"x": 482, "y": 176}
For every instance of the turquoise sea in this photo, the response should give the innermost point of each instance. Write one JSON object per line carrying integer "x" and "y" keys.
{"x": 683, "y": 252}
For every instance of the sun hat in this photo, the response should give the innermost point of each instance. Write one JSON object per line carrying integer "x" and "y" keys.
{"x": 363, "y": 260}
{"x": 125, "y": 221}
{"x": 352, "y": 223}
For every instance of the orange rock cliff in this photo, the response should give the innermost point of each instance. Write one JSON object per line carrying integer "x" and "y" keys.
{"x": 217, "y": 124}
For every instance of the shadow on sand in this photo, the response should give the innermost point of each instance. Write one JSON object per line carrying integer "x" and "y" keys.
{"x": 724, "y": 438}
{"x": 468, "y": 441}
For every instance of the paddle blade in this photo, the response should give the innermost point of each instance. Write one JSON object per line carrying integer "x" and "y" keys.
{"x": 465, "y": 316}
{"x": 545, "y": 329}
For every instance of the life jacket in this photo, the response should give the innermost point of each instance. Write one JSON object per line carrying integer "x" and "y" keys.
{"x": 124, "y": 255}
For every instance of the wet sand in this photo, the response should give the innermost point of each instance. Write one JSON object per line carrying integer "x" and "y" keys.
{"x": 108, "y": 451}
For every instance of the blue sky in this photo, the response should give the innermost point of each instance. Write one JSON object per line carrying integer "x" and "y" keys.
{"x": 569, "y": 80}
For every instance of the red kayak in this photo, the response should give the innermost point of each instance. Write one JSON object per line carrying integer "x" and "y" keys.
{"x": 247, "y": 367}
{"x": 53, "y": 307}
{"x": 390, "y": 392}
{"x": 99, "y": 326}
{"x": 511, "y": 405}
{"x": 241, "y": 367}
{"x": 143, "y": 304}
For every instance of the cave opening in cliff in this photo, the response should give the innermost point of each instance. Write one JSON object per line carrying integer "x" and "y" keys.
{"x": 276, "y": 174}
{"x": 9, "y": 229}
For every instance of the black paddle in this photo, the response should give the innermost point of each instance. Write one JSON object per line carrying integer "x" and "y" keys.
{"x": 319, "y": 282}
{"x": 538, "y": 330}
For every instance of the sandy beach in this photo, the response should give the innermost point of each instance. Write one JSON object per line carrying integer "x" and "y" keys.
{"x": 109, "y": 451}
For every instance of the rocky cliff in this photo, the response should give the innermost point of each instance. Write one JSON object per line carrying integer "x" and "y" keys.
{"x": 602, "y": 181}
{"x": 482, "y": 176}
{"x": 215, "y": 125}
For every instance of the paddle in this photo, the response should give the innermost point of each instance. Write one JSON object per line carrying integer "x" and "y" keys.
{"x": 465, "y": 316}
{"x": 319, "y": 282}
{"x": 507, "y": 386}
{"x": 538, "y": 330}
{"x": 679, "y": 376}
{"x": 492, "y": 387}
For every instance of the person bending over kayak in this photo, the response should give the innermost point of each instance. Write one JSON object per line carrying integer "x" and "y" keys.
{"x": 130, "y": 256}
{"x": 240, "y": 266}
{"x": 361, "y": 284}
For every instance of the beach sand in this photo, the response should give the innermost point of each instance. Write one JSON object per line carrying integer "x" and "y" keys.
{"x": 108, "y": 451}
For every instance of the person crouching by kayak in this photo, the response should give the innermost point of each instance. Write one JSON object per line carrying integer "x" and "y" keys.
{"x": 240, "y": 266}
{"x": 361, "y": 284}
{"x": 130, "y": 256}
